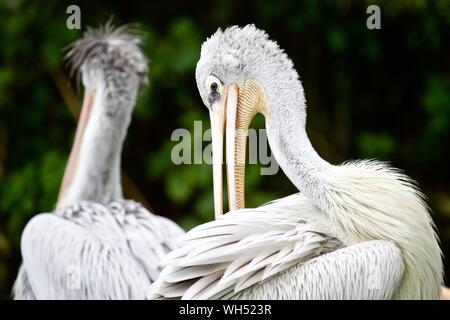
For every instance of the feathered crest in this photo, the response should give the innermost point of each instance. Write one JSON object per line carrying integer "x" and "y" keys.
{"x": 95, "y": 42}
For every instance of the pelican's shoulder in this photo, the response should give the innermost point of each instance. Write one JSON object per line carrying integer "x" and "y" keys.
{"x": 373, "y": 169}
{"x": 370, "y": 200}
{"x": 377, "y": 181}
{"x": 375, "y": 192}
{"x": 121, "y": 223}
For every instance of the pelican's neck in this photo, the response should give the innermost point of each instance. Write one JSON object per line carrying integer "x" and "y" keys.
{"x": 289, "y": 141}
{"x": 97, "y": 167}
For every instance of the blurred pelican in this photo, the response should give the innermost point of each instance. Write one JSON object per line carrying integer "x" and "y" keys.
{"x": 96, "y": 244}
{"x": 360, "y": 230}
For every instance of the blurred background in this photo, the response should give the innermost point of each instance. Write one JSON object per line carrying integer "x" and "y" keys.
{"x": 371, "y": 94}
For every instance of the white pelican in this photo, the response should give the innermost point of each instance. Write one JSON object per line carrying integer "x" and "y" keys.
{"x": 359, "y": 230}
{"x": 96, "y": 244}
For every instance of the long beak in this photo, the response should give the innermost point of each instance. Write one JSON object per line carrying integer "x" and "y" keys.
{"x": 236, "y": 109}
{"x": 217, "y": 118}
{"x": 242, "y": 105}
{"x": 235, "y": 165}
{"x": 69, "y": 172}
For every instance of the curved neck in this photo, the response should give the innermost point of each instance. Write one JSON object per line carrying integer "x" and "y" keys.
{"x": 289, "y": 141}
{"x": 96, "y": 168}
{"x": 299, "y": 161}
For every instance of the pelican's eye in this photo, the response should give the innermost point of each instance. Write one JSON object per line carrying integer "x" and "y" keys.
{"x": 214, "y": 88}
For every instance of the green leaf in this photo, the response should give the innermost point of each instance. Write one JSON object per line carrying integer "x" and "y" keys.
{"x": 376, "y": 145}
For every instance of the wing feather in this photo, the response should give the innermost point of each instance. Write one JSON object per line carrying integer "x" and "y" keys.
{"x": 367, "y": 270}
{"x": 246, "y": 247}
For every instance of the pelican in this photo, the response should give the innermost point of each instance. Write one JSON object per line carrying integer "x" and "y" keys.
{"x": 96, "y": 244}
{"x": 359, "y": 230}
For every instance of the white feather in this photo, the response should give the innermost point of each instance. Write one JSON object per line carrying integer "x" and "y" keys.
{"x": 115, "y": 251}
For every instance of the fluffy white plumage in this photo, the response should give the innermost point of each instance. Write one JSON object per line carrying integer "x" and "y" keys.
{"x": 94, "y": 251}
{"x": 374, "y": 212}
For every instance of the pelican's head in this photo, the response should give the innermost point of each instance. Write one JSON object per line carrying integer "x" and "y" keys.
{"x": 106, "y": 52}
{"x": 113, "y": 69}
{"x": 242, "y": 72}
